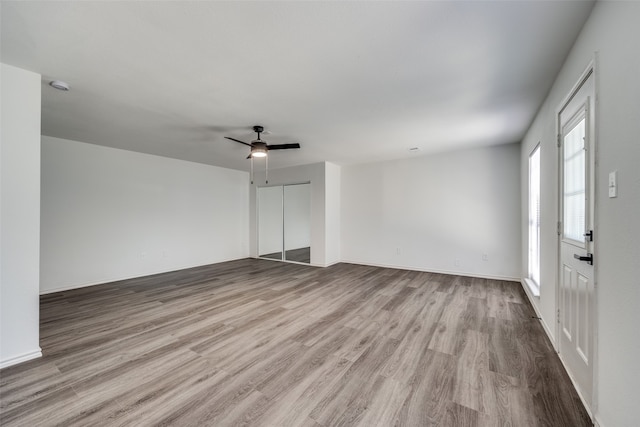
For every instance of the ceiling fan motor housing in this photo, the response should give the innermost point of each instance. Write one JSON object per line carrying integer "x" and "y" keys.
{"x": 259, "y": 147}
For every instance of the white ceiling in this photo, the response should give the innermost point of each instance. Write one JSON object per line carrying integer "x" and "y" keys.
{"x": 351, "y": 82}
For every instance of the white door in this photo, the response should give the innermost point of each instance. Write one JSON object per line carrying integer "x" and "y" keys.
{"x": 576, "y": 278}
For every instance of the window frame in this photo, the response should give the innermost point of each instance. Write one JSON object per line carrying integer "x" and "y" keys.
{"x": 534, "y": 217}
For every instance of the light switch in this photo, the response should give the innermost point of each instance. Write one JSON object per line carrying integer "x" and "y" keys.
{"x": 613, "y": 184}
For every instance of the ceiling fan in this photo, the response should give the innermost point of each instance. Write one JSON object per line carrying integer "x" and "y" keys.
{"x": 259, "y": 148}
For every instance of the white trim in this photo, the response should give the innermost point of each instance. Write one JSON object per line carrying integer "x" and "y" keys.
{"x": 533, "y": 287}
{"x": 454, "y": 273}
{"x": 104, "y": 281}
{"x": 576, "y": 388}
{"x": 546, "y": 328}
{"x": 595, "y": 389}
{"x": 590, "y": 69}
{"x": 327, "y": 265}
{"x": 21, "y": 358}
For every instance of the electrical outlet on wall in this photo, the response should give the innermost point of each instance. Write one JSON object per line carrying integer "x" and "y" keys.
{"x": 485, "y": 257}
{"x": 456, "y": 262}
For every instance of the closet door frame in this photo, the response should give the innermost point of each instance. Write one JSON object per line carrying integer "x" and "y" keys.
{"x": 283, "y": 257}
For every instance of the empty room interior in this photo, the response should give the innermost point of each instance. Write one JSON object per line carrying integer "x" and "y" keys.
{"x": 320, "y": 213}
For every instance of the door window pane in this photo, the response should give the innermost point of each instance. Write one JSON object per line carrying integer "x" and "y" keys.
{"x": 574, "y": 183}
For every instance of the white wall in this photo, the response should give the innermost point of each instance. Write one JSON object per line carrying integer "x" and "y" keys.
{"x": 333, "y": 220}
{"x": 110, "y": 214}
{"x": 613, "y": 31}
{"x": 427, "y": 212}
{"x": 19, "y": 215}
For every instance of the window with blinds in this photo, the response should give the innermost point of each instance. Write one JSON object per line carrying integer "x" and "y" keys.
{"x": 534, "y": 216}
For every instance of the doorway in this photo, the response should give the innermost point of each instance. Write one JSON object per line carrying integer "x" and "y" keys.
{"x": 576, "y": 279}
{"x": 284, "y": 222}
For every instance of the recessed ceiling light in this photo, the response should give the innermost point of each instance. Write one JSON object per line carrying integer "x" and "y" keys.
{"x": 60, "y": 85}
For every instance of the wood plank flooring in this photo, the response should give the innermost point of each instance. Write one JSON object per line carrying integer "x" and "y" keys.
{"x": 261, "y": 343}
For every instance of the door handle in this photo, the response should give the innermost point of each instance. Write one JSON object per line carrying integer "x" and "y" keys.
{"x": 588, "y": 258}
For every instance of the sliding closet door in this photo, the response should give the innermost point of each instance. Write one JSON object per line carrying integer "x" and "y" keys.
{"x": 297, "y": 222}
{"x": 270, "y": 220}
{"x": 284, "y": 222}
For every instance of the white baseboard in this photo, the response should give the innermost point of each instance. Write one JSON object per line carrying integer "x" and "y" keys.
{"x": 104, "y": 281}
{"x": 576, "y": 388}
{"x": 21, "y": 358}
{"x": 533, "y": 287}
{"x": 331, "y": 263}
{"x": 533, "y": 300}
{"x": 454, "y": 273}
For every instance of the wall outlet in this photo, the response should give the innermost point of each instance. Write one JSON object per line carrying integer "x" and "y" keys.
{"x": 398, "y": 251}
{"x": 456, "y": 262}
{"x": 485, "y": 257}
{"x": 143, "y": 254}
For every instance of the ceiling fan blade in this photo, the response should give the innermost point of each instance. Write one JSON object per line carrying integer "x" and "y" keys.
{"x": 282, "y": 146}
{"x": 237, "y": 140}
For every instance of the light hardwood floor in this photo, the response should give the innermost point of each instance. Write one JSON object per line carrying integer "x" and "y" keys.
{"x": 263, "y": 343}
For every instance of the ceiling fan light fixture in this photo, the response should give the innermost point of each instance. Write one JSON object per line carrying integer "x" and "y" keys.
{"x": 258, "y": 152}
{"x": 259, "y": 149}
